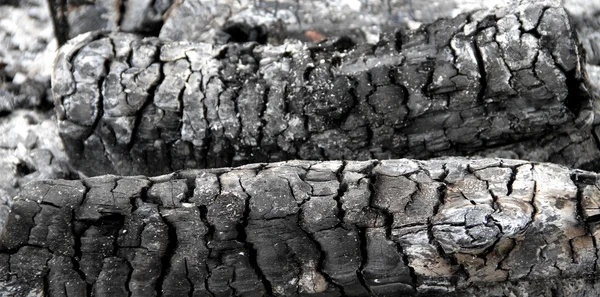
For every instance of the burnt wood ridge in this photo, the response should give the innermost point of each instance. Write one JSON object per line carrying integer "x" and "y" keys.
{"x": 445, "y": 227}
{"x": 133, "y": 105}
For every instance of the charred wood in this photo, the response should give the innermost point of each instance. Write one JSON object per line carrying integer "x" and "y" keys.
{"x": 133, "y": 105}
{"x": 448, "y": 227}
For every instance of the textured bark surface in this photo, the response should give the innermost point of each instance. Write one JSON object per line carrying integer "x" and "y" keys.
{"x": 448, "y": 227}
{"x": 128, "y": 105}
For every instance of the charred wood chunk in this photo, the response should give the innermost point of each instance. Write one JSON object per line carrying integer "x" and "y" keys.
{"x": 446, "y": 227}
{"x": 133, "y": 105}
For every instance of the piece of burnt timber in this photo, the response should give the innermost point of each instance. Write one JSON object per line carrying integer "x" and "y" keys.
{"x": 274, "y": 20}
{"x": 128, "y": 105}
{"x": 445, "y": 227}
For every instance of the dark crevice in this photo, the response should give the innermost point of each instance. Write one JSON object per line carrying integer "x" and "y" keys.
{"x": 237, "y": 116}
{"x": 410, "y": 201}
{"x": 307, "y": 71}
{"x": 580, "y": 177}
{"x": 58, "y": 9}
{"x": 442, "y": 179}
{"x": 261, "y": 116}
{"x": 320, "y": 267}
{"x": 47, "y": 203}
{"x": 572, "y": 251}
{"x": 406, "y": 261}
{"x": 362, "y": 238}
{"x": 322, "y": 256}
{"x": 539, "y": 20}
{"x": 100, "y": 86}
{"x": 208, "y": 237}
{"x": 208, "y": 139}
{"x": 129, "y": 274}
{"x": 436, "y": 207}
{"x": 167, "y": 257}
{"x": 180, "y": 99}
{"x": 578, "y": 89}
{"x": 110, "y": 224}
{"x": 342, "y": 188}
{"x": 482, "y": 73}
{"x": 44, "y": 277}
{"x": 77, "y": 251}
{"x": 428, "y": 67}
{"x": 511, "y": 180}
{"x": 596, "y": 139}
{"x": 243, "y": 32}
{"x": 122, "y": 8}
{"x": 533, "y": 204}
{"x": 187, "y": 277}
{"x": 252, "y": 253}
{"x": 513, "y": 245}
{"x": 23, "y": 168}
{"x": 586, "y": 223}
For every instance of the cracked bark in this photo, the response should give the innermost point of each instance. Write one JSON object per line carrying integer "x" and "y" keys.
{"x": 465, "y": 227}
{"x": 455, "y": 86}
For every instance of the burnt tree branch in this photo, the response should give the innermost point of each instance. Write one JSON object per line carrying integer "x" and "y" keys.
{"x": 133, "y": 105}
{"x": 451, "y": 227}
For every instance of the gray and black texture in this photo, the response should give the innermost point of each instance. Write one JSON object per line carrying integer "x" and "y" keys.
{"x": 231, "y": 20}
{"x": 74, "y": 17}
{"x": 27, "y": 153}
{"x": 445, "y": 227}
{"x": 273, "y": 20}
{"x": 27, "y": 48}
{"x": 30, "y": 148}
{"x": 133, "y": 105}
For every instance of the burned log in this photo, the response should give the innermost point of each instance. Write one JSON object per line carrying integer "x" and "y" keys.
{"x": 133, "y": 105}
{"x": 448, "y": 227}
{"x": 74, "y": 17}
{"x": 274, "y": 20}
{"x": 226, "y": 20}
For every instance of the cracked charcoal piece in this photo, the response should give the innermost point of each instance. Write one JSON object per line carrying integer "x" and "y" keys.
{"x": 574, "y": 148}
{"x": 132, "y": 105}
{"x": 444, "y": 227}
